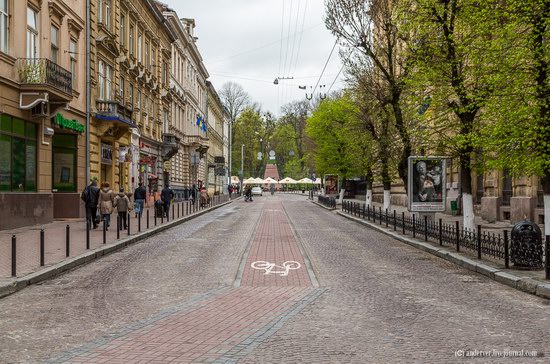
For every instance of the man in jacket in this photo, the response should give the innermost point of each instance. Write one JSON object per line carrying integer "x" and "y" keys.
{"x": 140, "y": 195}
{"x": 122, "y": 204}
{"x": 166, "y": 196}
{"x": 90, "y": 196}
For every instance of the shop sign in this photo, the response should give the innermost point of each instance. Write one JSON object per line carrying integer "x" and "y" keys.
{"x": 106, "y": 154}
{"x": 61, "y": 121}
{"x": 167, "y": 165}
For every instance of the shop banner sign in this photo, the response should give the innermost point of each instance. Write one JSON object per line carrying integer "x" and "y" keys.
{"x": 61, "y": 121}
{"x": 106, "y": 154}
{"x": 427, "y": 184}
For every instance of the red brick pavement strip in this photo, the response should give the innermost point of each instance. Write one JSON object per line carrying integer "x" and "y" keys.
{"x": 28, "y": 243}
{"x": 226, "y": 326}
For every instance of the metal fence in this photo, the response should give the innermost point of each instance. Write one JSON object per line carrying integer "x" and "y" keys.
{"x": 495, "y": 246}
{"x": 327, "y": 201}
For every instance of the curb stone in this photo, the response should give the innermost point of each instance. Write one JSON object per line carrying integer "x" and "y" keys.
{"x": 54, "y": 270}
{"x": 521, "y": 283}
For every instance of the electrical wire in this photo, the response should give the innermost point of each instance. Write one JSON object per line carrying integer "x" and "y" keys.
{"x": 300, "y": 42}
{"x": 282, "y": 33}
{"x": 325, "y": 67}
{"x": 341, "y": 68}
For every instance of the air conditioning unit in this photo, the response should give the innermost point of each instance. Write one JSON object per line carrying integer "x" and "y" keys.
{"x": 41, "y": 110}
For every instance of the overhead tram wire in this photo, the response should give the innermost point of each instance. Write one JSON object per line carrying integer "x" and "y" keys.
{"x": 258, "y": 48}
{"x": 325, "y": 67}
{"x": 281, "y": 52}
{"x": 341, "y": 68}
{"x": 300, "y": 42}
{"x": 291, "y": 90}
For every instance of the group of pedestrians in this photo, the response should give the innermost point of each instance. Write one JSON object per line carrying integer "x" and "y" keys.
{"x": 105, "y": 201}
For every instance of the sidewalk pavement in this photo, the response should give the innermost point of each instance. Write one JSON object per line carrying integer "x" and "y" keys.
{"x": 56, "y": 260}
{"x": 530, "y": 281}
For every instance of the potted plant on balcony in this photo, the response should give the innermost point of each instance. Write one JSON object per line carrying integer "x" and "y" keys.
{"x": 32, "y": 72}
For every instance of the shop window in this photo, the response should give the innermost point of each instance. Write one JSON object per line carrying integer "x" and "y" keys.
{"x": 17, "y": 155}
{"x": 64, "y": 163}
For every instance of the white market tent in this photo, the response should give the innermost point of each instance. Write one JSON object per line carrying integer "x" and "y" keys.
{"x": 258, "y": 180}
{"x": 305, "y": 180}
{"x": 270, "y": 180}
{"x": 288, "y": 180}
{"x": 235, "y": 180}
{"x": 317, "y": 181}
{"x": 248, "y": 180}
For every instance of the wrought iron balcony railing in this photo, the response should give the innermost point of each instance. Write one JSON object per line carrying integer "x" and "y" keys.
{"x": 42, "y": 71}
{"x": 114, "y": 108}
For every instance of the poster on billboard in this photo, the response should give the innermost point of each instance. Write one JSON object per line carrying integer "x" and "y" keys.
{"x": 427, "y": 183}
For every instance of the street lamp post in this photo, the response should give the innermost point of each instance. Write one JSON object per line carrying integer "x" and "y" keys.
{"x": 242, "y": 166}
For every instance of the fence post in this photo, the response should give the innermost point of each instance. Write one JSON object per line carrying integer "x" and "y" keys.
{"x": 368, "y": 212}
{"x": 440, "y": 231}
{"x": 394, "y": 220}
{"x": 41, "y": 247}
{"x": 117, "y": 227}
{"x": 414, "y": 225}
{"x": 386, "y": 217}
{"x": 506, "y": 252}
{"x": 105, "y": 230}
{"x": 547, "y": 263}
{"x": 67, "y": 240}
{"x": 425, "y": 228}
{"x": 88, "y": 222}
{"x": 403, "y": 219}
{"x": 13, "y": 256}
{"x": 457, "y": 236}
{"x": 479, "y": 242}
{"x": 380, "y": 217}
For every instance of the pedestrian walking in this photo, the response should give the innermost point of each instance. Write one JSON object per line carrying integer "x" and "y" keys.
{"x": 122, "y": 204}
{"x": 90, "y": 196}
{"x": 106, "y": 202}
{"x": 140, "y": 195}
{"x": 166, "y": 195}
{"x": 230, "y": 190}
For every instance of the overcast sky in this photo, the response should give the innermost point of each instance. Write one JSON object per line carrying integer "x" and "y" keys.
{"x": 240, "y": 41}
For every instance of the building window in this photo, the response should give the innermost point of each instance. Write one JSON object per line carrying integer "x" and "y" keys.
{"x": 100, "y": 11}
{"x": 139, "y": 100}
{"x": 132, "y": 95}
{"x": 72, "y": 56}
{"x": 108, "y": 14}
{"x": 54, "y": 35}
{"x": 131, "y": 40}
{"x": 122, "y": 30}
{"x": 147, "y": 55}
{"x": 32, "y": 34}
{"x": 64, "y": 162}
{"x": 17, "y": 155}
{"x": 121, "y": 92}
{"x": 4, "y": 26}
{"x": 105, "y": 80}
{"x": 139, "y": 55}
{"x": 164, "y": 73}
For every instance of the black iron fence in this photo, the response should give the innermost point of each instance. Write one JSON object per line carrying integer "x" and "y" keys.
{"x": 327, "y": 201}
{"x": 495, "y": 246}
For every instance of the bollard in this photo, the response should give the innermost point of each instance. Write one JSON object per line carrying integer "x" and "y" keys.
{"x": 368, "y": 212}
{"x": 394, "y": 220}
{"x": 41, "y": 247}
{"x": 117, "y": 227}
{"x": 128, "y": 222}
{"x": 547, "y": 263}
{"x": 179, "y": 210}
{"x": 162, "y": 216}
{"x": 440, "y": 232}
{"x": 139, "y": 222}
{"x": 403, "y": 219}
{"x": 479, "y": 242}
{"x": 425, "y": 228}
{"x": 414, "y": 226}
{"x": 88, "y": 234}
{"x": 13, "y": 256}
{"x": 155, "y": 215}
{"x": 374, "y": 215}
{"x": 68, "y": 241}
{"x": 173, "y": 207}
{"x": 506, "y": 252}
{"x": 104, "y": 230}
{"x": 457, "y": 236}
{"x": 380, "y": 217}
{"x": 147, "y": 219}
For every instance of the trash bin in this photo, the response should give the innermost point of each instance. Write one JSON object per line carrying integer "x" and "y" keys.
{"x": 526, "y": 246}
{"x": 454, "y": 207}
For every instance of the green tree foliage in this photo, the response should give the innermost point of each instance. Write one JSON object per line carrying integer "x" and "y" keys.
{"x": 340, "y": 147}
{"x": 248, "y": 129}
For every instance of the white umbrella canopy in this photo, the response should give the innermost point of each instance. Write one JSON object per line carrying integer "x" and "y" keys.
{"x": 305, "y": 180}
{"x": 257, "y": 180}
{"x": 269, "y": 180}
{"x": 248, "y": 180}
{"x": 317, "y": 181}
{"x": 235, "y": 180}
{"x": 288, "y": 180}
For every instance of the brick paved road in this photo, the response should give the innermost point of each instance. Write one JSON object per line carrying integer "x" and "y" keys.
{"x": 172, "y": 298}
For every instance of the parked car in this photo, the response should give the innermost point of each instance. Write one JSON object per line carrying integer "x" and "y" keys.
{"x": 257, "y": 191}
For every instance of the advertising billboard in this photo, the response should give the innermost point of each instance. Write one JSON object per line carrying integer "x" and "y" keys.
{"x": 427, "y": 183}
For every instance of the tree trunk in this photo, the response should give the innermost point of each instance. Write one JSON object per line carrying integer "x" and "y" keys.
{"x": 368, "y": 199}
{"x": 546, "y": 191}
{"x": 402, "y": 167}
{"x": 467, "y": 194}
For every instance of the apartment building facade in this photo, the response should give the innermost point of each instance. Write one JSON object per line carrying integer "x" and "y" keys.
{"x": 218, "y": 119}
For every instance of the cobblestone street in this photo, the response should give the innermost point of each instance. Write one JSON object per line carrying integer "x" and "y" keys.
{"x": 278, "y": 280}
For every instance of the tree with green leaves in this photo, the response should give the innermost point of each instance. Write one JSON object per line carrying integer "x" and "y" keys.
{"x": 451, "y": 41}
{"x": 371, "y": 27}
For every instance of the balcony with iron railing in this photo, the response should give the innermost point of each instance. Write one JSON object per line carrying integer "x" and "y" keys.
{"x": 170, "y": 145}
{"x": 114, "y": 110}
{"x": 43, "y": 73}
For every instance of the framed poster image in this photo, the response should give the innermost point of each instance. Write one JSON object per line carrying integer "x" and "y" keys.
{"x": 427, "y": 184}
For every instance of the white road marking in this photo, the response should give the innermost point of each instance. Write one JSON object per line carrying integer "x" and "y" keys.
{"x": 282, "y": 269}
